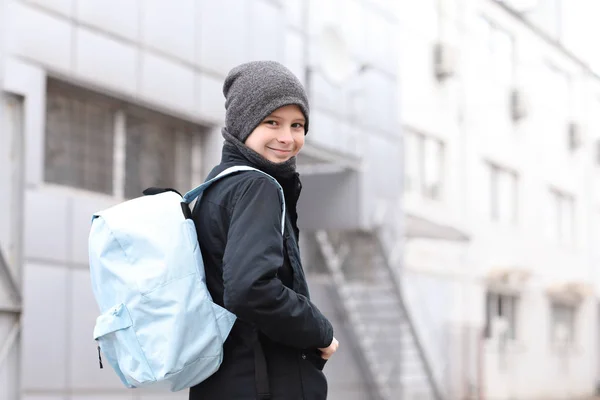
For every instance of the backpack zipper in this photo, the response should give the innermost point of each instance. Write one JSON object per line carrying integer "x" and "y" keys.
{"x": 100, "y": 358}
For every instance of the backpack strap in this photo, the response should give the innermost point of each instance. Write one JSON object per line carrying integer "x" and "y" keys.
{"x": 260, "y": 363}
{"x": 261, "y": 374}
{"x": 197, "y": 192}
{"x": 156, "y": 190}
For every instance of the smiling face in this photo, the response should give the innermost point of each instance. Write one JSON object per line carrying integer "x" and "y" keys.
{"x": 280, "y": 136}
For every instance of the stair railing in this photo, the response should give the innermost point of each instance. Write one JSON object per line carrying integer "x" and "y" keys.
{"x": 389, "y": 235}
{"x": 333, "y": 262}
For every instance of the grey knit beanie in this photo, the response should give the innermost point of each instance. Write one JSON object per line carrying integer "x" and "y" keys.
{"x": 254, "y": 90}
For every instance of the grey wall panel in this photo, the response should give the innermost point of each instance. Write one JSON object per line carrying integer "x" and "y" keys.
{"x": 45, "y": 321}
{"x": 81, "y": 211}
{"x": 46, "y": 228}
{"x": 84, "y": 369}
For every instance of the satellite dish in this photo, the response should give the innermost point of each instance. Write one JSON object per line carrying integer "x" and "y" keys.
{"x": 336, "y": 62}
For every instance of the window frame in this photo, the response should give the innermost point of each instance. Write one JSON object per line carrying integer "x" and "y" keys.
{"x": 120, "y": 112}
{"x": 416, "y": 162}
{"x": 497, "y": 176}
{"x": 501, "y": 309}
{"x": 572, "y": 332}
{"x": 560, "y": 198}
{"x": 502, "y": 88}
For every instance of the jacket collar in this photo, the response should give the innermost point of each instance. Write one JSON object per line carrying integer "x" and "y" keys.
{"x": 291, "y": 185}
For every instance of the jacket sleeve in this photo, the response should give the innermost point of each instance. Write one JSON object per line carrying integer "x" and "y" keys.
{"x": 253, "y": 254}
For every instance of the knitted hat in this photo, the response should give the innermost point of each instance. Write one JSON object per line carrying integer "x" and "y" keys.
{"x": 254, "y": 90}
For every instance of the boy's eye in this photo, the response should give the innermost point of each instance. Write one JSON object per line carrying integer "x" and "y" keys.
{"x": 298, "y": 125}
{"x": 271, "y": 122}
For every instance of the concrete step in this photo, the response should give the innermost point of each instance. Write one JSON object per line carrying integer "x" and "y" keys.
{"x": 391, "y": 325}
{"x": 416, "y": 395}
{"x": 412, "y": 366}
{"x": 379, "y": 302}
{"x": 378, "y": 316}
{"x": 374, "y": 314}
{"x": 409, "y": 357}
{"x": 386, "y": 354}
{"x": 373, "y": 287}
{"x": 396, "y": 332}
{"x": 385, "y": 298}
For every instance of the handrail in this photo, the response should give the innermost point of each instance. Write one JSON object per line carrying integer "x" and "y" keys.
{"x": 9, "y": 278}
{"x": 10, "y": 340}
{"x": 10, "y": 309}
{"x": 333, "y": 263}
{"x": 421, "y": 350}
{"x": 431, "y": 343}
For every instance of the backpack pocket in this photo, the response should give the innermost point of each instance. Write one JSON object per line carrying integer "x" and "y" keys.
{"x": 117, "y": 339}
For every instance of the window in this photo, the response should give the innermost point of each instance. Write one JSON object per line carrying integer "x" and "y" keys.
{"x": 554, "y": 96}
{"x": 497, "y": 69}
{"x": 561, "y": 87}
{"x": 12, "y": 181}
{"x": 502, "y": 55}
{"x": 412, "y": 161}
{"x": 501, "y": 315}
{"x": 596, "y": 120}
{"x": 562, "y": 327}
{"x": 503, "y": 195}
{"x": 432, "y": 168}
{"x": 424, "y": 158}
{"x": 156, "y": 155}
{"x": 105, "y": 146}
{"x": 595, "y": 233}
{"x": 562, "y": 219}
{"x": 497, "y": 47}
{"x": 556, "y": 89}
{"x": 79, "y": 141}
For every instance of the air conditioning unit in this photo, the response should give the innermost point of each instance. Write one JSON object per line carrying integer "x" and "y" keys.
{"x": 575, "y": 133}
{"x": 597, "y": 152}
{"x": 519, "y": 104}
{"x": 446, "y": 60}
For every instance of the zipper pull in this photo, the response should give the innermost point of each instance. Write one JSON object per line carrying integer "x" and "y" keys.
{"x": 100, "y": 358}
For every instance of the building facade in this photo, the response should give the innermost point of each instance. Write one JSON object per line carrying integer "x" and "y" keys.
{"x": 500, "y": 107}
{"x": 101, "y": 99}
{"x": 487, "y": 112}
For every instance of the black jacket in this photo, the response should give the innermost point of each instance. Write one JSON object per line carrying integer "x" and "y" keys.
{"x": 255, "y": 273}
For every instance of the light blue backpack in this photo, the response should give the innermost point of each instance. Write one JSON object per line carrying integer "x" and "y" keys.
{"x": 158, "y": 324}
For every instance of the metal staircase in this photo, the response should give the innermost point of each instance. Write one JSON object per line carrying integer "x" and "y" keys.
{"x": 369, "y": 291}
